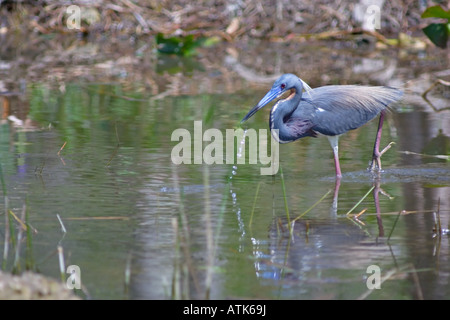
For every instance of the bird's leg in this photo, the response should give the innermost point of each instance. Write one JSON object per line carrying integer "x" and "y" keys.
{"x": 336, "y": 163}
{"x": 376, "y": 158}
{"x": 335, "y": 145}
{"x": 334, "y": 207}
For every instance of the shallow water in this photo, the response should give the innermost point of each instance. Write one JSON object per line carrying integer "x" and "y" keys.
{"x": 103, "y": 163}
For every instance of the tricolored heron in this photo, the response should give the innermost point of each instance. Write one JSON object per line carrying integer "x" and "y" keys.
{"x": 328, "y": 110}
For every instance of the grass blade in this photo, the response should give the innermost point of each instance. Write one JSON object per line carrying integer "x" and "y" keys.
{"x": 285, "y": 199}
{"x": 254, "y": 205}
{"x": 62, "y": 268}
{"x": 29, "y": 261}
{"x": 393, "y": 227}
{"x": 313, "y": 206}
{"x": 209, "y": 233}
{"x": 361, "y": 200}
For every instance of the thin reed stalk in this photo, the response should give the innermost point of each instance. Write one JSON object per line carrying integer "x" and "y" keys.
{"x": 361, "y": 200}
{"x": 127, "y": 274}
{"x": 388, "y": 275}
{"x": 175, "y": 294}
{"x": 29, "y": 259}
{"x": 2, "y": 180}
{"x": 22, "y": 228}
{"x": 209, "y": 233}
{"x": 437, "y": 218}
{"x": 63, "y": 228}
{"x": 285, "y": 199}
{"x": 185, "y": 238}
{"x": 220, "y": 218}
{"x": 12, "y": 233}
{"x": 116, "y": 150}
{"x": 285, "y": 266}
{"x": 313, "y": 206}
{"x": 254, "y": 205}
{"x": 393, "y": 227}
{"x": 6, "y": 242}
{"x": 62, "y": 268}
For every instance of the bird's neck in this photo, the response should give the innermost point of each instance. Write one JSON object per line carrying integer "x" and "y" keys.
{"x": 282, "y": 110}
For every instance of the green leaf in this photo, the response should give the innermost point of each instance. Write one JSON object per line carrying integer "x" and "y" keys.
{"x": 211, "y": 41}
{"x": 182, "y": 46}
{"x": 209, "y": 116}
{"x": 172, "y": 45}
{"x": 436, "y": 12}
{"x": 437, "y": 33}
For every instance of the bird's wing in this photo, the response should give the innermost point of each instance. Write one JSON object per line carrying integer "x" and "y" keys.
{"x": 299, "y": 123}
{"x": 300, "y": 128}
{"x": 339, "y": 109}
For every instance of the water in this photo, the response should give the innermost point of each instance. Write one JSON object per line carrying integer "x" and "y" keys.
{"x": 128, "y": 209}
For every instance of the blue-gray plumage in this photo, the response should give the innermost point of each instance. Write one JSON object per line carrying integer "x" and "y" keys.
{"x": 328, "y": 110}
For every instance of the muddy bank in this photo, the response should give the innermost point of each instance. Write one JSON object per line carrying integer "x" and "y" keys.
{"x": 229, "y": 19}
{"x": 32, "y": 286}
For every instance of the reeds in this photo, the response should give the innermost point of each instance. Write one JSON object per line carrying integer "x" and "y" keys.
{"x": 182, "y": 272}
{"x": 29, "y": 257}
{"x": 286, "y": 207}
{"x": 209, "y": 233}
{"x": 254, "y": 205}
{"x": 62, "y": 266}
{"x": 116, "y": 149}
{"x": 360, "y": 200}
{"x": 313, "y": 206}
{"x": 7, "y": 237}
{"x": 23, "y": 225}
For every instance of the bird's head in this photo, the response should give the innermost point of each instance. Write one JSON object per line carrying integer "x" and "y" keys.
{"x": 287, "y": 83}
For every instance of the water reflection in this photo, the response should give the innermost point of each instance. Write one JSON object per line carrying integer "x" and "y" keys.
{"x": 317, "y": 255}
{"x": 320, "y": 256}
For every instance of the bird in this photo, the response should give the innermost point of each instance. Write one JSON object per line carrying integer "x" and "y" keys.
{"x": 330, "y": 110}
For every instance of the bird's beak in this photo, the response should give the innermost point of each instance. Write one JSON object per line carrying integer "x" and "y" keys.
{"x": 272, "y": 94}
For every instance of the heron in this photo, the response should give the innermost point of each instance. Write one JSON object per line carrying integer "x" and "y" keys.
{"x": 328, "y": 110}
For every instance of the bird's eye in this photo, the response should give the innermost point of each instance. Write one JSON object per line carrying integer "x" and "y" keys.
{"x": 283, "y": 86}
